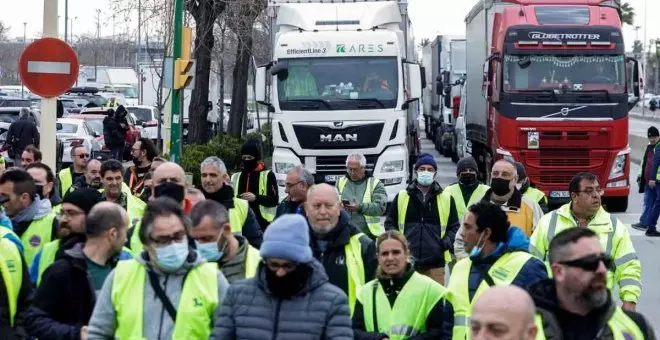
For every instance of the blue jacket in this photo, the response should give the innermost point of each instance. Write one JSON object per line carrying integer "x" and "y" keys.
{"x": 534, "y": 270}
{"x": 654, "y": 169}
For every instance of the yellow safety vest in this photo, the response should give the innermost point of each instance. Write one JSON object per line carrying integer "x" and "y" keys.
{"x": 252, "y": 260}
{"x": 354, "y": 268}
{"x": 620, "y": 324}
{"x": 36, "y": 236}
{"x": 373, "y": 222}
{"x": 535, "y": 195}
{"x": 199, "y": 299}
{"x": 11, "y": 270}
{"x": 66, "y": 180}
{"x": 407, "y": 317}
{"x": 503, "y": 272}
{"x": 454, "y": 191}
{"x": 444, "y": 205}
{"x": 134, "y": 206}
{"x": 268, "y": 213}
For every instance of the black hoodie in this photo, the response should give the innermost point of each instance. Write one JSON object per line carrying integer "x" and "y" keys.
{"x": 561, "y": 324}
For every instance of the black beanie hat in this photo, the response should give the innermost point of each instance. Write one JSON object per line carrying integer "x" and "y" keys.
{"x": 466, "y": 163}
{"x": 653, "y": 132}
{"x": 251, "y": 148}
{"x": 84, "y": 199}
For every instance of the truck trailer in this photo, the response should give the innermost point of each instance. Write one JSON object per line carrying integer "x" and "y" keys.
{"x": 343, "y": 78}
{"x": 547, "y": 85}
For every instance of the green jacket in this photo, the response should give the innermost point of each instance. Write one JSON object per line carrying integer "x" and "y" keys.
{"x": 354, "y": 192}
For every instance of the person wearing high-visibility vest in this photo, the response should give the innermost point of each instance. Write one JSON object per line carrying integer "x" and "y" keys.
{"x": 217, "y": 244}
{"x": 168, "y": 291}
{"x": 44, "y": 180}
{"x": 576, "y": 303}
{"x": 65, "y": 298}
{"x": 400, "y": 303}
{"x": 585, "y": 211}
{"x": 143, "y": 152}
{"x": 498, "y": 256}
{"x": 346, "y": 254}
{"x": 67, "y": 176}
{"x": 524, "y": 185}
{"x": 241, "y": 217}
{"x": 645, "y": 176}
{"x": 468, "y": 190}
{"x": 427, "y": 216}
{"x": 256, "y": 184}
{"x": 296, "y": 185}
{"x": 15, "y": 286}
{"x": 90, "y": 179}
{"x": 112, "y": 179}
{"x": 503, "y": 312}
{"x": 363, "y": 196}
{"x": 75, "y": 207}
{"x": 31, "y": 216}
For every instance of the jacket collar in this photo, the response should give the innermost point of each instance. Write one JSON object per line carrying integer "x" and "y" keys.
{"x": 514, "y": 202}
{"x": 601, "y": 218}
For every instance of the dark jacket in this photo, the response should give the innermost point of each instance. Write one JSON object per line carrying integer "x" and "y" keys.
{"x": 532, "y": 271}
{"x": 113, "y": 132}
{"x": 250, "y": 311}
{"x": 422, "y": 226}
{"x": 561, "y": 324}
{"x": 250, "y": 229}
{"x": 392, "y": 287}
{"x": 288, "y": 207}
{"x": 22, "y": 133}
{"x": 24, "y": 300}
{"x": 654, "y": 168}
{"x": 330, "y": 251}
{"x": 249, "y": 182}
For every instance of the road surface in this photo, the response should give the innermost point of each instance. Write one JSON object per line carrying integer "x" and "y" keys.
{"x": 647, "y": 248}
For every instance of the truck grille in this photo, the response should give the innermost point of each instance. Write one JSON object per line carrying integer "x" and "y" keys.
{"x": 553, "y": 178}
{"x": 564, "y": 162}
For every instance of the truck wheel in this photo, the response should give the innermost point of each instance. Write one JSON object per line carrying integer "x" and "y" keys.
{"x": 437, "y": 140}
{"x": 454, "y": 151}
{"x": 616, "y": 204}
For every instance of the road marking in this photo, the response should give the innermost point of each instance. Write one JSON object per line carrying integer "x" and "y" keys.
{"x": 50, "y": 67}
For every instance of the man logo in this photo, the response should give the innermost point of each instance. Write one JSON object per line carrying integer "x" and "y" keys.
{"x": 338, "y": 124}
{"x": 343, "y": 138}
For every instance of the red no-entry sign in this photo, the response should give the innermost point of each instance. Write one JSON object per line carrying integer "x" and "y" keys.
{"x": 48, "y": 67}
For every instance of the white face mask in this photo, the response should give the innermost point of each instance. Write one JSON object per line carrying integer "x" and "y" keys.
{"x": 425, "y": 178}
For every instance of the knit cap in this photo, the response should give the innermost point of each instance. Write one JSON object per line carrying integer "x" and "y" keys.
{"x": 426, "y": 159}
{"x": 466, "y": 163}
{"x": 84, "y": 199}
{"x": 287, "y": 238}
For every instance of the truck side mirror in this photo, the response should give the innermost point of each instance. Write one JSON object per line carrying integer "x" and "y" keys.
{"x": 414, "y": 81}
{"x": 260, "y": 85}
{"x": 280, "y": 69}
{"x": 423, "y": 73}
{"x": 635, "y": 80}
{"x": 438, "y": 85}
{"x": 488, "y": 79}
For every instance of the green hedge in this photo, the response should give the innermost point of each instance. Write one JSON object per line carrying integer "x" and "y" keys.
{"x": 226, "y": 148}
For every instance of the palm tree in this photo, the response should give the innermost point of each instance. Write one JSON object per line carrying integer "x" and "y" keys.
{"x": 627, "y": 14}
{"x": 425, "y": 42}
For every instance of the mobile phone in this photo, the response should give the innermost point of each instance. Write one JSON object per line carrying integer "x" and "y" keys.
{"x": 346, "y": 202}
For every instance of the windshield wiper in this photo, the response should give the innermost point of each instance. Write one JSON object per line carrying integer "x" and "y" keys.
{"x": 607, "y": 93}
{"x": 365, "y": 102}
{"x": 322, "y": 101}
{"x": 541, "y": 91}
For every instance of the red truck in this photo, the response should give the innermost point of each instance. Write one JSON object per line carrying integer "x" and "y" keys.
{"x": 548, "y": 84}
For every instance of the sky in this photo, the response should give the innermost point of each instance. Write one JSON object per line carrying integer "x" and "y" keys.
{"x": 429, "y": 17}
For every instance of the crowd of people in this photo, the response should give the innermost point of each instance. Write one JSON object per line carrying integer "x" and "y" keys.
{"x": 97, "y": 251}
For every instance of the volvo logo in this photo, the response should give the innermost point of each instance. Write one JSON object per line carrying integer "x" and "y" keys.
{"x": 346, "y": 137}
{"x": 338, "y": 124}
{"x": 564, "y": 111}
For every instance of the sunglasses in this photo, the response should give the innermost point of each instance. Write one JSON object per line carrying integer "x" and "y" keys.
{"x": 83, "y": 155}
{"x": 590, "y": 262}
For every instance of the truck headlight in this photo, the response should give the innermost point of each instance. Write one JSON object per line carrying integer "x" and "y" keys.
{"x": 284, "y": 168}
{"x": 619, "y": 166}
{"x": 392, "y": 166}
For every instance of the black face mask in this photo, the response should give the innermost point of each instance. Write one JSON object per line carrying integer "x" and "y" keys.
{"x": 250, "y": 165}
{"x": 500, "y": 186}
{"x": 468, "y": 179}
{"x": 290, "y": 284}
{"x": 172, "y": 190}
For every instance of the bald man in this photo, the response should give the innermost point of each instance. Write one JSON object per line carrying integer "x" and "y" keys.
{"x": 503, "y": 312}
{"x": 331, "y": 233}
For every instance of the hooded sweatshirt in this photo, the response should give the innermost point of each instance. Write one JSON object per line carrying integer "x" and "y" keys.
{"x": 38, "y": 209}
{"x": 157, "y": 322}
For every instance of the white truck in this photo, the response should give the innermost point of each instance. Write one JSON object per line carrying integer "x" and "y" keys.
{"x": 345, "y": 78}
{"x": 122, "y": 80}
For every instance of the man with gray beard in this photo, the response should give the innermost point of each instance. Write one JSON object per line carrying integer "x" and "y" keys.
{"x": 576, "y": 303}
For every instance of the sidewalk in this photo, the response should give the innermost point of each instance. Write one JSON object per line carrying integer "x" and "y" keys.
{"x": 649, "y": 115}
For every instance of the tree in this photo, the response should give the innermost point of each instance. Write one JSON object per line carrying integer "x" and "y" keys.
{"x": 4, "y": 29}
{"x": 627, "y": 14}
{"x": 638, "y": 48}
{"x": 425, "y": 42}
{"x": 205, "y": 13}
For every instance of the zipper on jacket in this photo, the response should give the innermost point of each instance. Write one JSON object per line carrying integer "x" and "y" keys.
{"x": 277, "y": 319}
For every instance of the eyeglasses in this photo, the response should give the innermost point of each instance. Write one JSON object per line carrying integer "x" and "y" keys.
{"x": 287, "y": 266}
{"x": 70, "y": 213}
{"x": 353, "y": 170}
{"x": 290, "y": 185}
{"x": 591, "y": 191}
{"x": 83, "y": 155}
{"x": 590, "y": 262}
{"x": 165, "y": 240}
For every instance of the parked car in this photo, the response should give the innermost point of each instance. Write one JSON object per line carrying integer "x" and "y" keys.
{"x": 149, "y": 118}
{"x": 95, "y": 117}
{"x": 76, "y": 132}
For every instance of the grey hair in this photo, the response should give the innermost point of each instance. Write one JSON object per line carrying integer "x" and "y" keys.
{"x": 24, "y": 113}
{"x": 216, "y": 211}
{"x": 216, "y": 161}
{"x": 304, "y": 175}
{"x": 194, "y": 191}
{"x": 356, "y": 156}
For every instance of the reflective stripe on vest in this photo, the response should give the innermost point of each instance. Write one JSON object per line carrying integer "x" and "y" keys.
{"x": 461, "y": 207}
{"x": 252, "y": 259}
{"x": 66, "y": 180}
{"x": 620, "y": 324}
{"x": 238, "y": 215}
{"x": 11, "y": 270}
{"x": 503, "y": 272}
{"x": 535, "y": 195}
{"x": 354, "y": 268}
{"x": 47, "y": 257}
{"x": 36, "y": 236}
{"x": 407, "y": 317}
{"x": 268, "y": 213}
{"x": 199, "y": 299}
{"x": 373, "y": 222}
{"x": 136, "y": 244}
{"x": 444, "y": 205}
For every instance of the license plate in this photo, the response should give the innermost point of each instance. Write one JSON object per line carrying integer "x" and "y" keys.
{"x": 559, "y": 194}
{"x": 331, "y": 178}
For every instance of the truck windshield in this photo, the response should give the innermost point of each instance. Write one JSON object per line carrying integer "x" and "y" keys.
{"x": 573, "y": 72}
{"x": 344, "y": 83}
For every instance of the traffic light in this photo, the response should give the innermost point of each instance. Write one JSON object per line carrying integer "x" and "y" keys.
{"x": 184, "y": 71}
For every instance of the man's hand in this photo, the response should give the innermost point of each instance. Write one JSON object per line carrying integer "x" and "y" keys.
{"x": 353, "y": 207}
{"x": 629, "y": 306}
{"x": 83, "y": 333}
{"x": 651, "y": 184}
{"x": 248, "y": 196}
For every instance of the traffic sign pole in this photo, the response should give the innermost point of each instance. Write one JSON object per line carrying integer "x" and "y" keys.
{"x": 48, "y": 119}
{"x": 175, "y": 128}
